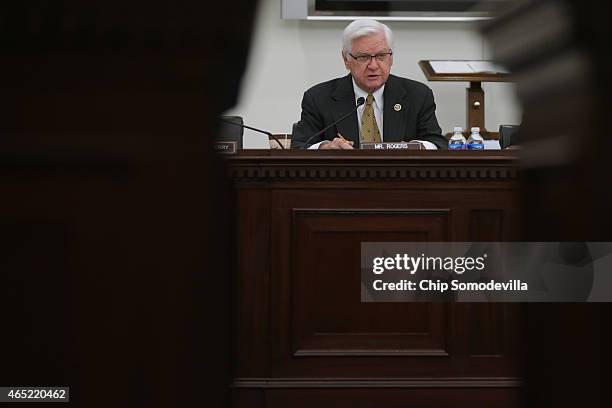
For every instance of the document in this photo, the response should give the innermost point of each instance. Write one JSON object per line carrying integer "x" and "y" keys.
{"x": 467, "y": 67}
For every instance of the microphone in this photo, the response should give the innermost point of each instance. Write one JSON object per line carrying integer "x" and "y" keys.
{"x": 252, "y": 128}
{"x": 360, "y": 101}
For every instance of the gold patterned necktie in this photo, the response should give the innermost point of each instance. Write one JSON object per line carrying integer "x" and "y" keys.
{"x": 369, "y": 128}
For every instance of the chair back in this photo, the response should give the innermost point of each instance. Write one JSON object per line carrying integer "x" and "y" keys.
{"x": 508, "y": 135}
{"x": 229, "y": 132}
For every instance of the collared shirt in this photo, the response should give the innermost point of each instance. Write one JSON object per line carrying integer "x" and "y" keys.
{"x": 378, "y": 106}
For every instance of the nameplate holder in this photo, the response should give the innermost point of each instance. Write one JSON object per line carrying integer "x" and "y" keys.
{"x": 225, "y": 147}
{"x": 393, "y": 146}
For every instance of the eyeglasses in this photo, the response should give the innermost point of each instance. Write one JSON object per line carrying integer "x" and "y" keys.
{"x": 365, "y": 59}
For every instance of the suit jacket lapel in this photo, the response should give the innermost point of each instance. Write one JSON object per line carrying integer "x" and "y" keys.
{"x": 394, "y": 122}
{"x": 343, "y": 102}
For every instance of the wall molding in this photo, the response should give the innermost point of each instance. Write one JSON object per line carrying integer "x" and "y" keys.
{"x": 449, "y": 382}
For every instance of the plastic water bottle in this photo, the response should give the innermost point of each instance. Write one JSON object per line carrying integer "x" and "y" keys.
{"x": 457, "y": 140}
{"x": 475, "y": 141}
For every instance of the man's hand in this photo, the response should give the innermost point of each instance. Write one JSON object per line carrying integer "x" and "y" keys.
{"x": 338, "y": 143}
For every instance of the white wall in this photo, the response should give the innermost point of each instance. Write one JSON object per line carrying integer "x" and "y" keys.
{"x": 287, "y": 57}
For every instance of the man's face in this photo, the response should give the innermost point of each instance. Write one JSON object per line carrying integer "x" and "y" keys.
{"x": 373, "y": 73}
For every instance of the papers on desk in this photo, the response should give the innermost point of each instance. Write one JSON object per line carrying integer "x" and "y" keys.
{"x": 492, "y": 145}
{"x": 467, "y": 67}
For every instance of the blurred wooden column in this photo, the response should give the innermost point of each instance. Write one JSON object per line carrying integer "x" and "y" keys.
{"x": 474, "y": 105}
{"x": 559, "y": 54}
{"x": 116, "y": 255}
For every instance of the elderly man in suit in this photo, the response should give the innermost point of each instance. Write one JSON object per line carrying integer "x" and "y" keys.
{"x": 395, "y": 109}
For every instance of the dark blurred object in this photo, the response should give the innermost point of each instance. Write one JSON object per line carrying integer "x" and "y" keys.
{"x": 508, "y": 135}
{"x": 229, "y": 132}
{"x": 116, "y": 246}
{"x": 235, "y": 123}
{"x": 559, "y": 54}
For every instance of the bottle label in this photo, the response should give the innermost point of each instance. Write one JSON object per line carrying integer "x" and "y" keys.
{"x": 475, "y": 146}
{"x": 456, "y": 146}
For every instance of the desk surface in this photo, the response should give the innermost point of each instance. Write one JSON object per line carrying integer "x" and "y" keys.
{"x": 376, "y": 155}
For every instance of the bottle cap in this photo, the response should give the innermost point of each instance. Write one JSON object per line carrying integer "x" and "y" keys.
{"x": 475, "y": 129}
{"x": 457, "y": 129}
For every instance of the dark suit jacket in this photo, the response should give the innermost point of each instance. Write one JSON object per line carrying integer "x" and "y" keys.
{"x": 326, "y": 102}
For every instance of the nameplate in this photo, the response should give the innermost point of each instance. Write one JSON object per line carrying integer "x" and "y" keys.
{"x": 225, "y": 147}
{"x": 393, "y": 146}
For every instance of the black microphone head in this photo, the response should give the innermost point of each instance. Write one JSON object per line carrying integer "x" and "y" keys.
{"x": 360, "y": 101}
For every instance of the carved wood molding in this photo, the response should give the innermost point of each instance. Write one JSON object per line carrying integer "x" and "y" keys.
{"x": 450, "y": 382}
{"x": 371, "y": 173}
{"x": 367, "y": 352}
{"x": 364, "y": 166}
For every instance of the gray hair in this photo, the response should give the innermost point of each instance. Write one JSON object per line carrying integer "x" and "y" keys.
{"x": 361, "y": 28}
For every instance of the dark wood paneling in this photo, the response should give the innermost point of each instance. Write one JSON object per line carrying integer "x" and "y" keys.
{"x": 387, "y": 392}
{"x": 318, "y": 334}
{"x": 253, "y": 232}
{"x": 486, "y": 225}
{"x": 328, "y": 316}
{"x": 486, "y": 330}
{"x": 491, "y": 325}
{"x": 394, "y": 398}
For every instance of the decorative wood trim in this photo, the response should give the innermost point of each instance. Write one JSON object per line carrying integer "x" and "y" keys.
{"x": 457, "y": 382}
{"x": 436, "y": 336}
{"x": 372, "y": 166}
{"x": 370, "y": 211}
{"x": 382, "y": 352}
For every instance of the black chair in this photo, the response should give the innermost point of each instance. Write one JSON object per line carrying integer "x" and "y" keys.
{"x": 508, "y": 135}
{"x": 229, "y": 132}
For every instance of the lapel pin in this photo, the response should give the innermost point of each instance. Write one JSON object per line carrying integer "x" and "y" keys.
{"x": 397, "y": 107}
